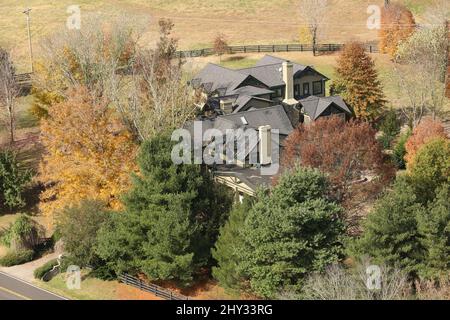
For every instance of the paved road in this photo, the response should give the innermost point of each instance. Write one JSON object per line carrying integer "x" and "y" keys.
{"x": 15, "y": 289}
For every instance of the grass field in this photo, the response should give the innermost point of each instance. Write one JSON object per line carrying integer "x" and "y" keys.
{"x": 196, "y": 21}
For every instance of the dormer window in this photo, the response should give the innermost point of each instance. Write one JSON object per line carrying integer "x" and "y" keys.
{"x": 317, "y": 87}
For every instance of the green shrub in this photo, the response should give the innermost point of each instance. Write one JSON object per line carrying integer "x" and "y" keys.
{"x": 14, "y": 258}
{"x": 386, "y": 141}
{"x": 24, "y": 233}
{"x": 78, "y": 226}
{"x": 42, "y": 270}
{"x": 13, "y": 181}
{"x": 399, "y": 152}
{"x": 103, "y": 272}
{"x": 390, "y": 125}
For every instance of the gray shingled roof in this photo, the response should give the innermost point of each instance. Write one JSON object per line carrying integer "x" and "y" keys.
{"x": 242, "y": 101}
{"x": 268, "y": 70}
{"x": 274, "y": 116}
{"x": 214, "y": 77}
{"x": 251, "y": 91}
{"x": 314, "y": 106}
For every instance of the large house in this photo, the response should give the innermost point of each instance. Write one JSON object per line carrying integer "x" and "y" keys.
{"x": 274, "y": 94}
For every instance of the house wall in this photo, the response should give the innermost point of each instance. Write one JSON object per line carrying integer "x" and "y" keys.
{"x": 300, "y": 81}
{"x": 309, "y": 79}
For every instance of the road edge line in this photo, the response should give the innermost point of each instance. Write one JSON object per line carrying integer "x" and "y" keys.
{"x": 32, "y": 285}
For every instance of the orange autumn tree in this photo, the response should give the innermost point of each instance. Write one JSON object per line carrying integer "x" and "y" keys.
{"x": 427, "y": 130}
{"x": 347, "y": 152}
{"x": 397, "y": 24}
{"x": 89, "y": 154}
{"x": 357, "y": 82}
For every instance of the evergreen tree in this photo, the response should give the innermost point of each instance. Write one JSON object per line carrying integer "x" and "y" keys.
{"x": 173, "y": 214}
{"x": 391, "y": 236}
{"x": 13, "y": 181}
{"x": 434, "y": 227}
{"x": 399, "y": 151}
{"x": 226, "y": 251}
{"x": 357, "y": 81}
{"x": 291, "y": 231}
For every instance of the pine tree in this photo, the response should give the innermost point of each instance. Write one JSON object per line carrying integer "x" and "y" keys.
{"x": 291, "y": 231}
{"x": 357, "y": 82}
{"x": 13, "y": 181}
{"x": 391, "y": 236}
{"x": 173, "y": 214}
{"x": 227, "y": 248}
{"x": 434, "y": 227}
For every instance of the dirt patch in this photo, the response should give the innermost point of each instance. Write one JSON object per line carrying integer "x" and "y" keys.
{"x": 126, "y": 292}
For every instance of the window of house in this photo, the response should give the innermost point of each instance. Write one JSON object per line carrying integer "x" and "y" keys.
{"x": 306, "y": 89}
{"x": 317, "y": 87}
{"x": 296, "y": 90}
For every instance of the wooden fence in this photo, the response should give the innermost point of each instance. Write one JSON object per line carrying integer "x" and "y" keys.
{"x": 152, "y": 288}
{"x": 272, "y": 48}
{"x": 23, "y": 80}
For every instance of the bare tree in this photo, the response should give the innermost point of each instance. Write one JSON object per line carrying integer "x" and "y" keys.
{"x": 340, "y": 283}
{"x": 9, "y": 92}
{"x": 96, "y": 57}
{"x": 220, "y": 45}
{"x": 313, "y": 12}
{"x": 159, "y": 97}
{"x": 421, "y": 66}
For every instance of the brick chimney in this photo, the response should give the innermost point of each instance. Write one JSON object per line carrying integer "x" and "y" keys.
{"x": 288, "y": 78}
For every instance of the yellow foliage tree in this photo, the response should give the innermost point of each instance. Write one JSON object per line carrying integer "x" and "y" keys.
{"x": 397, "y": 25}
{"x": 89, "y": 153}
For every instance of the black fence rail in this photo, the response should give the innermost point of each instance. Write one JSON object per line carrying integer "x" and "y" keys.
{"x": 151, "y": 288}
{"x": 331, "y": 47}
{"x": 23, "y": 78}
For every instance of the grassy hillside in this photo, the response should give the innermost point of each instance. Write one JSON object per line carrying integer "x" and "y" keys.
{"x": 197, "y": 21}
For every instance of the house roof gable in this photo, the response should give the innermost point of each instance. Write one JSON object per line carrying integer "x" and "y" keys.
{"x": 314, "y": 106}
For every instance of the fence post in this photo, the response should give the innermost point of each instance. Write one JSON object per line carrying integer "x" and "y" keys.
{"x": 273, "y": 48}
{"x": 301, "y": 47}
{"x": 259, "y": 48}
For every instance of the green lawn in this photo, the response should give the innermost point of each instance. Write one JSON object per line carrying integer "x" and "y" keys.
{"x": 237, "y": 62}
{"x": 91, "y": 288}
